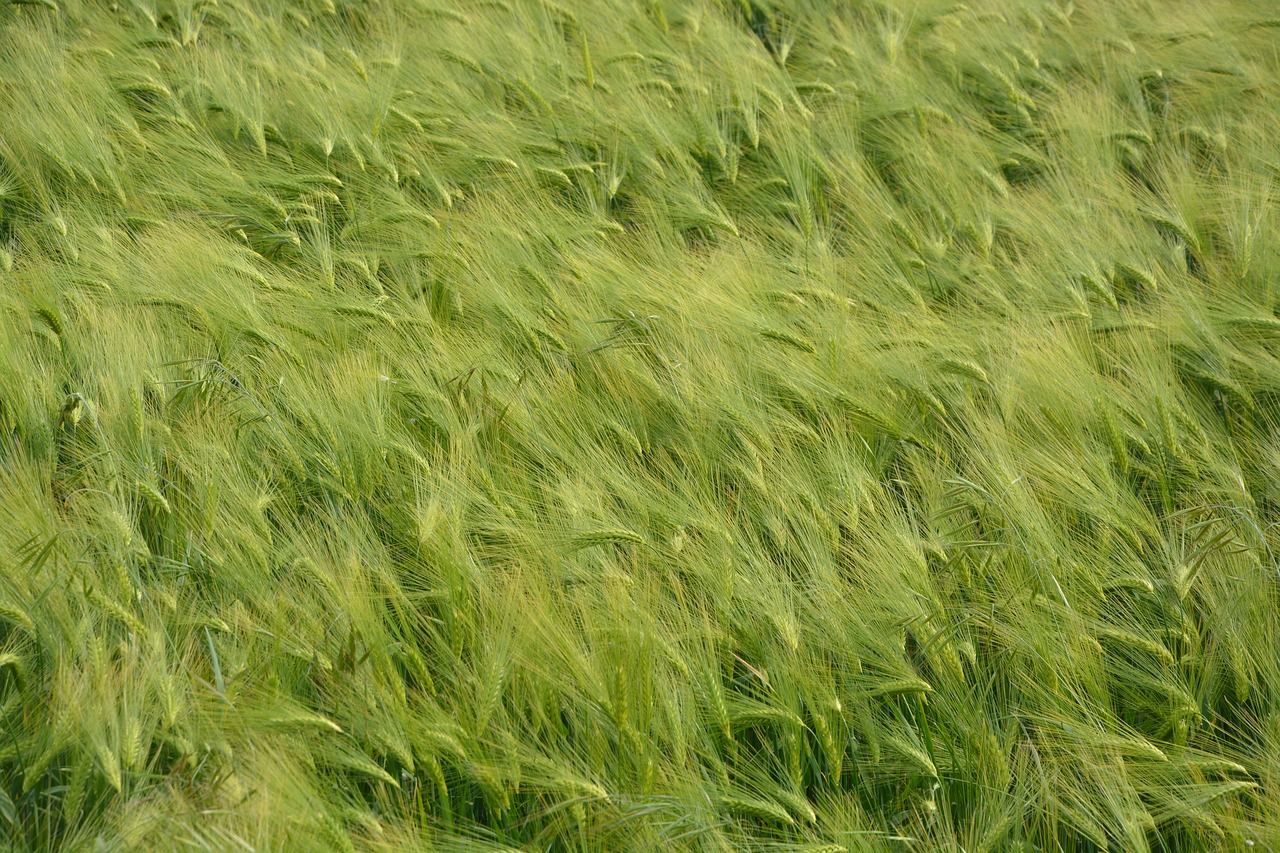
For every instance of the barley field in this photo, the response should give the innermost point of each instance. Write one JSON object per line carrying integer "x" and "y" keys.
{"x": 784, "y": 426}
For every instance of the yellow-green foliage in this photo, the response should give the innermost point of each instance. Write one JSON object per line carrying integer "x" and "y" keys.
{"x": 629, "y": 425}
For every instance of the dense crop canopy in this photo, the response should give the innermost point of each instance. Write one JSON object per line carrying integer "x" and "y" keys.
{"x": 635, "y": 425}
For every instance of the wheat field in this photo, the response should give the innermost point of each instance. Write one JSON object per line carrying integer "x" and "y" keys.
{"x": 785, "y": 426}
